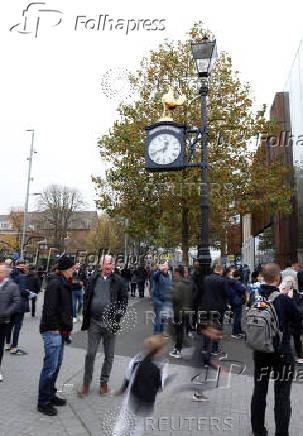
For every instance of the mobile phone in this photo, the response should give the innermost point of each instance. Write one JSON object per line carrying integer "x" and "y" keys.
{"x": 289, "y": 285}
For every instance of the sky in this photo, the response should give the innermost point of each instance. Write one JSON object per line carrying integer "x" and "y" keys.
{"x": 59, "y": 74}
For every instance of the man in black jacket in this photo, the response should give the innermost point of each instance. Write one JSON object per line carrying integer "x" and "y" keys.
{"x": 214, "y": 301}
{"x": 281, "y": 362}
{"x": 34, "y": 285}
{"x": 105, "y": 302}
{"x": 56, "y": 323}
{"x": 141, "y": 275}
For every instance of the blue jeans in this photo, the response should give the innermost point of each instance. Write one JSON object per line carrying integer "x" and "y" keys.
{"x": 77, "y": 301}
{"x": 158, "y": 322}
{"x": 16, "y": 324}
{"x": 237, "y": 311}
{"x": 53, "y": 349}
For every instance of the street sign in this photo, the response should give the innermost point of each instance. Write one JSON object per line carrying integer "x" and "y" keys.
{"x": 16, "y": 256}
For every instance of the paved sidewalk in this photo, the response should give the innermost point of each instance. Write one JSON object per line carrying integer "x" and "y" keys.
{"x": 227, "y": 412}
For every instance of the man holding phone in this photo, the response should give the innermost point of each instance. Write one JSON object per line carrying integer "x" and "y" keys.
{"x": 161, "y": 297}
{"x": 288, "y": 288}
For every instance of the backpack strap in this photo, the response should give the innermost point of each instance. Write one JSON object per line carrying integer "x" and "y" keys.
{"x": 273, "y": 296}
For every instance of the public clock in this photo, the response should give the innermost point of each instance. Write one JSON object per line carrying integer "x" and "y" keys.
{"x": 164, "y": 146}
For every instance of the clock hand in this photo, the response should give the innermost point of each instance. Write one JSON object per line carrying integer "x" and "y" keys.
{"x": 157, "y": 151}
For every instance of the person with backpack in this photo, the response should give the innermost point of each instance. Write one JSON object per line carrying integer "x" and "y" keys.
{"x": 267, "y": 333}
{"x": 145, "y": 377}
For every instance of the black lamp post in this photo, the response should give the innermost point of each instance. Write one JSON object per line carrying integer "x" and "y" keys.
{"x": 205, "y": 54}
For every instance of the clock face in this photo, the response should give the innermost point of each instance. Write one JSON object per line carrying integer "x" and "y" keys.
{"x": 164, "y": 149}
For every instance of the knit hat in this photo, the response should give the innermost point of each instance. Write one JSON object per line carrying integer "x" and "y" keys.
{"x": 20, "y": 262}
{"x": 64, "y": 263}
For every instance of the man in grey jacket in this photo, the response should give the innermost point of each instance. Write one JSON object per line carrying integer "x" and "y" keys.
{"x": 9, "y": 303}
{"x": 105, "y": 303}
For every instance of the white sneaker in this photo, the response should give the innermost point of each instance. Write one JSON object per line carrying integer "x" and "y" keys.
{"x": 176, "y": 354}
{"x": 1, "y": 377}
{"x": 199, "y": 398}
{"x": 75, "y": 320}
{"x": 299, "y": 361}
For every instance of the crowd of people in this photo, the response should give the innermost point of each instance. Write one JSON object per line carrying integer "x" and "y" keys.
{"x": 187, "y": 308}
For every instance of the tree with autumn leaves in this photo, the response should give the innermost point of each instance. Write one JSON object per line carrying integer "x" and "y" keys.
{"x": 240, "y": 180}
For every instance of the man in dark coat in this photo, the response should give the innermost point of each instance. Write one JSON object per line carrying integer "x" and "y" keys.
{"x": 214, "y": 300}
{"x": 126, "y": 275}
{"x": 105, "y": 303}
{"x": 56, "y": 324}
{"x": 19, "y": 276}
{"x": 182, "y": 296}
{"x": 141, "y": 275}
{"x": 34, "y": 285}
{"x": 281, "y": 362}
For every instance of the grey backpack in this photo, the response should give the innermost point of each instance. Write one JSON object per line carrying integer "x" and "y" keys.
{"x": 262, "y": 326}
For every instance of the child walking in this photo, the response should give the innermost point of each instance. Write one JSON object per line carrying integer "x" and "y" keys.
{"x": 145, "y": 377}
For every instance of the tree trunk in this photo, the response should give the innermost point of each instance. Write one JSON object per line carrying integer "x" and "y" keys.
{"x": 185, "y": 235}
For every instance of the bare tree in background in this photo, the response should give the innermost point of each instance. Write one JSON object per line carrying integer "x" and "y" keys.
{"x": 57, "y": 204}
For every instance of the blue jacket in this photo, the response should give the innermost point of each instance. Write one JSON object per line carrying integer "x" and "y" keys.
{"x": 162, "y": 288}
{"x": 21, "y": 280}
{"x": 152, "y": 282}
{"x": 236, "y": 291}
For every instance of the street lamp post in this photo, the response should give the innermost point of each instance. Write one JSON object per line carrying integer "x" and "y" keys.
{"x": 205, "y": 54}
{"x": 30, "y": 161}
{"x": 165, "y": 142}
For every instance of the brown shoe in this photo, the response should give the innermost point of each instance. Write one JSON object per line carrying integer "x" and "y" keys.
{"x": 83, "y": 392}
{"x": 104, "y": 389}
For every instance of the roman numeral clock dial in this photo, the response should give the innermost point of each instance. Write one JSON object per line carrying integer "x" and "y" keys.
{"x": 164, "y": 147}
